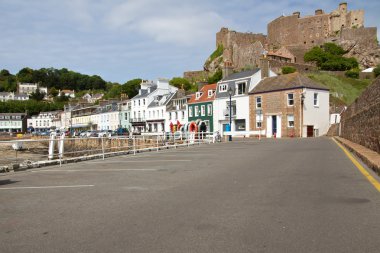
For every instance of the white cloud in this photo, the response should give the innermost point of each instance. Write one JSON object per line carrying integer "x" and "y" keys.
{"x": 183, "y": 23}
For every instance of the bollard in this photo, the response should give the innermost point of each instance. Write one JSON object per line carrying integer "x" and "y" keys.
{"x": 61, "y": 146}
{"x": 51, "y": 146}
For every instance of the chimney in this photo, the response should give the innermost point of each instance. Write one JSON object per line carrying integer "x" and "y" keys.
{"x": 227, "y": 69}
{"x": 264, "y": 65}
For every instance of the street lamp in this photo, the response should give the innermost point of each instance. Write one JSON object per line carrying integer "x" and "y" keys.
{"x": 230, "y": 92}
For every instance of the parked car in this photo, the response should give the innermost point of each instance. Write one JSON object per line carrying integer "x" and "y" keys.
{"x": 105, "y": 133}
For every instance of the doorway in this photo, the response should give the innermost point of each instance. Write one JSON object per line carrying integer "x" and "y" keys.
{"x": 274, "y": 125}
{"x": 310, "y": 131}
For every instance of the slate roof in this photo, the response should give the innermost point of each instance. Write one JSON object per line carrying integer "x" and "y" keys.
{"x": 243, "y": 74}
{"x": 163, "y": 100}
{"x": 144, "y": 93}
{"x": 204, "y": 97}
{"x": 286, "y": 82}
{"x": 232, "y": 79}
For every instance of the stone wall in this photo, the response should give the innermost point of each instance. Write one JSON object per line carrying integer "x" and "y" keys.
{"x": 196, "y": 76}
{"x": 309, "y": 31}
{"x": 360, "y": 123}
{"x": 276, "y": 66}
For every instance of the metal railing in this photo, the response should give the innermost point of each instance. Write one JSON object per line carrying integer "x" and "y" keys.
{"x": 60, "y": 149}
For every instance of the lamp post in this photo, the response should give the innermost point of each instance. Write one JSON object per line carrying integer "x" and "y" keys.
{"x": 230, "y": 91}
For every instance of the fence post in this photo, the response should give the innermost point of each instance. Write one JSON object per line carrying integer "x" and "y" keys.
{"x": 157, "y": 144}
{"x": 134, "y": 145}
{"x": 102, "y": 146}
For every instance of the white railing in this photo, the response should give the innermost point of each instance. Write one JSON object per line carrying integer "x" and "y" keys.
{"x": 60, "y": 149}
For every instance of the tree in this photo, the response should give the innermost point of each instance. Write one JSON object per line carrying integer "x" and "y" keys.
{"x": 25, "y": 75}
{"x": 37, "y": 95}
{"x": 4, "y": 73}
{"x": 131, "y": 88}
{"x": 54, "y": 92}
{"x": 330, "y": 57}
{"x": 288, "y": 69}
{"x": 216, "y": 77}
{"x": 61, "y": 98}
{"x": 180, "y": 83}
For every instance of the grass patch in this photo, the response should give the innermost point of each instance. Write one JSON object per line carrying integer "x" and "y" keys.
{"x": 218, "y": 52}
{"x": 347, "y": 89}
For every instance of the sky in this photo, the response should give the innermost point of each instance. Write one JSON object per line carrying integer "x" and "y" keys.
{"x": 120, "y": 40}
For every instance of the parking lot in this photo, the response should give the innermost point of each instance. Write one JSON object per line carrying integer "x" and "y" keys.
{"x": 295, "y": 195}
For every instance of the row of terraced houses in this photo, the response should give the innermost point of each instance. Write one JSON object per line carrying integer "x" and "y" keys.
{"x": 258, "y": 102}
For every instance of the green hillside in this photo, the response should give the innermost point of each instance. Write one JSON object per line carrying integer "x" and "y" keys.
{"x": 343, "y": 90}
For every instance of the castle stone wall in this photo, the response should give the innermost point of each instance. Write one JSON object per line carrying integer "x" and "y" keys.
{"x": 366, "y": 36}
{"x": 310, "y": 31}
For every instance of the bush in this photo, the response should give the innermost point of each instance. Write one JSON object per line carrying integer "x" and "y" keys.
{"x": 287, "y": 70}
{"x": 352, "y": 73}
{"x": 330, "y": 57}
{"x": 377, "y": 71}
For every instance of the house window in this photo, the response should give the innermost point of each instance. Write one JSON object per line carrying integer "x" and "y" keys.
{"x": 209, "y": 109}
{"x": 210, "y": 93}
{"x": 143, "y": 101}
{"x": 290, "y": 120}
{"x": 190, "y": 111}
{"x": 222, "y": 87}
{"x": 198, "y": 95}
{"x": 196, "y": 112}
{"x": 233, "y": 109}
{"x": 240, "y": 124}
{"x": 203, "y": 110}
{"x": 241, "y": 88}
{"x": 290, "y": 99}
{"x": 139, "y": 102}
{"x": 316, "y": 100}
{"x": 258, "y": 102}
{"x": 259, "y": 120}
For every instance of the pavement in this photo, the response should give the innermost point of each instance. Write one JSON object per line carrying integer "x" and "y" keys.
{"x": 368, "y": 156}
{"x": 290, "y": 195}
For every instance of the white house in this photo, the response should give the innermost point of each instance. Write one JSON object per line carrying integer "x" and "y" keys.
{"x": 13, "y": 122}
{"x": 6, "y": 96}
{"x": 149, "y": 92}
{"x": 239, "y": 84}
{"x": 289, "y": 105}
{"x": 44, "y": 121}
{"x": 107, "y": 117}
{"x": 29, "y": 88}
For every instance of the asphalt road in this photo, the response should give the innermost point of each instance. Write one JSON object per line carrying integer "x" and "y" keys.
{"x": 295, "y": 195}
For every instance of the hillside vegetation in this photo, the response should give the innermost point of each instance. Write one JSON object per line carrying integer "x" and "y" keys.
{"x": 343, "y": 89}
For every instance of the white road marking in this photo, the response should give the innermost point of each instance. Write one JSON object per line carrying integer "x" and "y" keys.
{"x": 91, "y": 170}
{"x": 138, "y": 161}
{"x": 46, "y": 187}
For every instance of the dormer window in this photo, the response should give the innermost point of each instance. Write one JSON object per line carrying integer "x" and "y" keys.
{"x": 222, "y": 87}
{"x": 210, "y": 93}
{"x": 198, "y": 95}
{"x": 241, "y": 88}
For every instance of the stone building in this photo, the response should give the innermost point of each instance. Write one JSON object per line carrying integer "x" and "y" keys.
{"x": 289, "y": 105}
{"x": 312, "y": 30}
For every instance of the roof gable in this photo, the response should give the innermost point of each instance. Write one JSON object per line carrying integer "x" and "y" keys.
{"x": 205, "y": 94}
{"x": 286, "y": 82}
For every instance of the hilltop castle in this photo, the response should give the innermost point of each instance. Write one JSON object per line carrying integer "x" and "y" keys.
{"x": 289, "y": 37}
